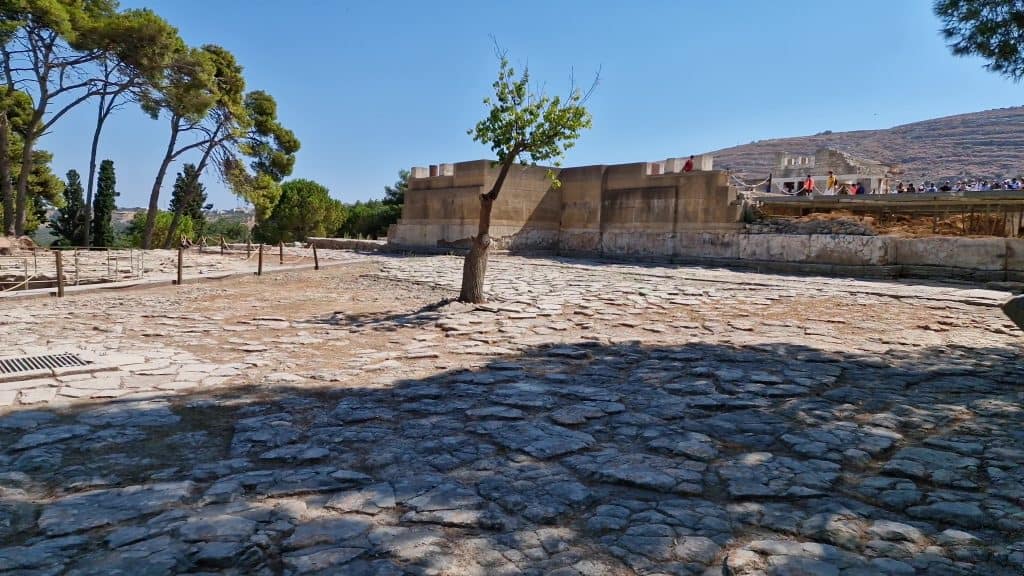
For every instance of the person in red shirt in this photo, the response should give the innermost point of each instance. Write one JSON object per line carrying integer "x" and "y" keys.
{"x": 809, "y": 185}
{"x": 688, "y": 167}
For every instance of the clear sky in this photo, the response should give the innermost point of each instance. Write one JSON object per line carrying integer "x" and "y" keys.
{"x": 372, "y": 87}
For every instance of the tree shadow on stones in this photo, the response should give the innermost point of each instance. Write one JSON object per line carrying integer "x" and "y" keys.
{"x": 570, "y": 459}
{"x": 385, "y": 321}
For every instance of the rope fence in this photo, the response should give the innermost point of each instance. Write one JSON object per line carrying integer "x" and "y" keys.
{"x": 38, "y": 268}
{"x": 41, "y": 269}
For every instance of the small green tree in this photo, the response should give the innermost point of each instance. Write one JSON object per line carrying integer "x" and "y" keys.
{"x": 189, "y": 195}
{"x": 231, "y": 229}
{"x": 304, "y": 209}
{"x": 15, "y": 110}
{"x": 368, "y": 219}
{"x": 526, "y": 126}
{"x": 104, "y": 205}
{"x": 69, "y": 226}
{"x": 136, "y": 231}
{"x": 992, "y": 29}
{"x": 396, "y": 194}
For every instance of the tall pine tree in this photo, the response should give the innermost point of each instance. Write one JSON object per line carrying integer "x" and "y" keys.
{"x": 69, "y": 226}
{"x": 190, "y": 194}
{"x": 103, "y": 205}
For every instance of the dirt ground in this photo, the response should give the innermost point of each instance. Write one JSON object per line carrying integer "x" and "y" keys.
{"x": 908, "y": 226}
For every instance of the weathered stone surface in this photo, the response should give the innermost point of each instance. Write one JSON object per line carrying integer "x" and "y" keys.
{"x": 1014, "y": 308}
{"x": 536, "y": 438}
{"x": 102, "y": 507}
{"x": 593, "y": 418}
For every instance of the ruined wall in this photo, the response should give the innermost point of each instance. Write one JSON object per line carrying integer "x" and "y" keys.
{"x": 652, "y": 211}
{"x": 619, "y": 209}
{"x": 443, "y": 209}
{"x": 981, "y": 259}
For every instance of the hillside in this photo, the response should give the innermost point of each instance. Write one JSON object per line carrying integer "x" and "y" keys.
{"x": 981, "y": 144}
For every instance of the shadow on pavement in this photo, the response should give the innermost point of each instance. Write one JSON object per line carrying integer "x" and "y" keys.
{"x": 570, "y": 459}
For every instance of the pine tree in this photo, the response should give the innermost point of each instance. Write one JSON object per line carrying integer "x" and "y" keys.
{"x": 68, "y": 225}
{"x": 190, "y": 194}
{"x": 103, "y": 205}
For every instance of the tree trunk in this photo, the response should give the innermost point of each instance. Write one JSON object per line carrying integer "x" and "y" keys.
{"x": 187, "y": 199}
{"x": 101, "y": 117}
{"x": 21, "y": 200}
{"x": 6, "y": 190}
{"x": 473, "y": 271}
{"x": 475, "y": 266}
{"x": 154, "y": 194}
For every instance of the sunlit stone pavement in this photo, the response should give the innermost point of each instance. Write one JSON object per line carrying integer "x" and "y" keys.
{"x": 591, "y": 419}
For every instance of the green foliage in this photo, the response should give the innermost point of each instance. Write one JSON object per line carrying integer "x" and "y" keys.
{"x": 396, "y": 194}
{"x": 231, "y": 229}
{"x": 17, "y": 106}
{"x": 304, "y": 209}
{"x": 185, "y": 88}
{"x": 271, "y": 146}
{"x": 992, "y": 29}
{"x": 260, "y": 190}
{"x": 136, "y": 228}
{"x": 36, "y": 215}
{"x": 369, "y": 219}
{"x": 271, "y": 149}
{"x": 104, "y": 205}
{"x": 69, "y": 226}
{"x": 138, "y": 42}
{"x": 189, "y": 195}
{"x": 527, "y": 125}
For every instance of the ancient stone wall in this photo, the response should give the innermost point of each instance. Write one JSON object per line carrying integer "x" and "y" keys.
{"x": 595, "y": 206}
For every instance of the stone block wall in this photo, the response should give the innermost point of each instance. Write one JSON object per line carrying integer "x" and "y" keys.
{"x": 620, "y": 209}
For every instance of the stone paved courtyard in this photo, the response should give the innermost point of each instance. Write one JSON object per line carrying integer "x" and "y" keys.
{"x": 592, "y": 419}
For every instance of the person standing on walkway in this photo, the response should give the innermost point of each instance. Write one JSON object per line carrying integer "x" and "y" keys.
{"x": 688, "y": 167}
{"x": 809, "y": 185}
{"x": 830, "y": 183}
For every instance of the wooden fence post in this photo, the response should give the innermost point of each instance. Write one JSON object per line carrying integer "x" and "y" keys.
{"x": 181, "y": 262}
{"x": 280, "y": 251}
{"x": 316, "y": 259}
{"x": 60, "y": 274}
{"x": 259, "y": 267}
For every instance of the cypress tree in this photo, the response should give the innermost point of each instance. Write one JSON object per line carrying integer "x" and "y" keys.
{"x": 190, "y": 194}
{"x": 69, "y": 224}
{"x": 104, "y": 205}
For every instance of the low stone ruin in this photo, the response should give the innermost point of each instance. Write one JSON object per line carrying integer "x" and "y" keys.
{"x": 10, "y": 246}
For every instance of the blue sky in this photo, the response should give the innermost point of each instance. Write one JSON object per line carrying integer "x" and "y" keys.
{"x": 372, "y": 87}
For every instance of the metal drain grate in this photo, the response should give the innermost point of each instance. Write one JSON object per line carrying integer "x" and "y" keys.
{"x": 44, "y": 362}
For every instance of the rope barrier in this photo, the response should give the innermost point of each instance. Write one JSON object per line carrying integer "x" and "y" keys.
{"x": 747, "y": 185}
{"x": 301, "y": 258}
{"x": 24, "y": 282}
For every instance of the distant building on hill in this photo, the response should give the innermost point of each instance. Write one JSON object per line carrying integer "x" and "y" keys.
{"x": 124, "y": 216}
{"x": 791, "y": 171}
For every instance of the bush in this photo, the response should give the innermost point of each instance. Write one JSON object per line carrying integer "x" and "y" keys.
{"x": 163, "y": 223}
{"x": 232, "y": 229}
{"x": 369, "y": 219}
{"x": 304, "y": 209}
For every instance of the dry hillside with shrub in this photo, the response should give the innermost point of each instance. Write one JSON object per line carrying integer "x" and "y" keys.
{"x": 986, "y": 144}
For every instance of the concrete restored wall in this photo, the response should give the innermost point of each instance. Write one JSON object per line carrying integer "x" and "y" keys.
{"x": 1015, "y": 259}
{"x": 976, "y": 253}
{"x": 597, "y": 209}
{"x": 987, "y": 259}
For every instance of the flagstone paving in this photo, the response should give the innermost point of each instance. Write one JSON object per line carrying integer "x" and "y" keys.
{"x": 591, "y": 419}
